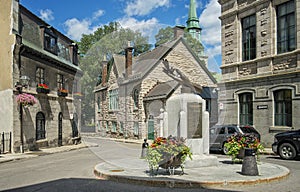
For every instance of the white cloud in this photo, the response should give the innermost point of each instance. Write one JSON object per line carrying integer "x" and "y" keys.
{"x": 146, "y": 27}
{"x": 76, "y": 28}
{"x": 144, "y": 7}
{"x": 210, "y": 23}
{"x": 98, "y": 14}
{"x": 46, "y": 15}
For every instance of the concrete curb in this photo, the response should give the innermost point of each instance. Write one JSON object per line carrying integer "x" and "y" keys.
{"x": 193, "y": 179}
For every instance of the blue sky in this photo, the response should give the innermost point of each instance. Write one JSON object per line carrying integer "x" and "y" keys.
{"x": 76, "y": 17}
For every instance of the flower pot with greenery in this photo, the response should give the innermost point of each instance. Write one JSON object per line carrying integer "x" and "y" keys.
{"x": 42, "y": 88}
{"x": 168, "y": 153}
{"x": 26, "y": 99}
{"x": 62, "y": 92}
{"x": 237, "y": 143}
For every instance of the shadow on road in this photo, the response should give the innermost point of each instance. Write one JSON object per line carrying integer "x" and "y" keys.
{"x": 91, "y": 185}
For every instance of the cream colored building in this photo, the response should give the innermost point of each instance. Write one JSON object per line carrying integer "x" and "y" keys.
{"x": 261, "y": 65}
{"x": 32, "y": 48}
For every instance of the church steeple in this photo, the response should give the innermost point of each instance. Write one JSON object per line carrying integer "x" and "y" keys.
{"x": 193, "y": 21}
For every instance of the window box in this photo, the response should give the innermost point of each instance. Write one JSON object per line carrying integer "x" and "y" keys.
{"x": 42, "y": 90}
{"x": 62, "y": 92}
{"x": 77, "y": 95}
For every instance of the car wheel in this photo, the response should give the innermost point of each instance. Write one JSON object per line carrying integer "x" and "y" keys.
{"x": 224, "y": 149}
{"x": 287, "y": 151}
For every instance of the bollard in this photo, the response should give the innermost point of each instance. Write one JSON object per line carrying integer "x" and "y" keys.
{"x": 144, "y": 148}
{"x": 249, "y": 163}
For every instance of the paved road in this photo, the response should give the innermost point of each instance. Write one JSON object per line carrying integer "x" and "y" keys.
{"x": 73, "y": 171}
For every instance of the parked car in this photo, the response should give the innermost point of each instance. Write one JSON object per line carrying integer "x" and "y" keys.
{"x": 287, "y": 144}
{"x": 219, "y": 134}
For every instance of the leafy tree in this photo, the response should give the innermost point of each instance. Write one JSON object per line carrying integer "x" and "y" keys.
{"x": 94, "y": 48}
{"x": 167, "y": 34}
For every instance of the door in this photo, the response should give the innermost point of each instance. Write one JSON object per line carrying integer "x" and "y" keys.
{"x": 60, "y": 117}
{"x": 75, "y": 125}
{"x": 151, "y": 129}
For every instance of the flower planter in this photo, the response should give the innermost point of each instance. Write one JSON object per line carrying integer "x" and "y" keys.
{"x": 42, "y": 90}
{"x": 62, "y": 94}
{"x": 171, "y": 163}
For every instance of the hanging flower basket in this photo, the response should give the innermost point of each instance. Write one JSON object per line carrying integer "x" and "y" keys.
{"x": 62, "y": 92}
{"x": 42, "y": 88}
{"x": 26, "y": 99}
{"x": 168, "y": 153}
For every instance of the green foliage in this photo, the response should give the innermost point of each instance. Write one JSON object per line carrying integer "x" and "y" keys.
{"x": 241, "y": 141}
{"x": 103, "y": 43}
{"x": 167, "y": 34}
{"x": 162, "y": 149}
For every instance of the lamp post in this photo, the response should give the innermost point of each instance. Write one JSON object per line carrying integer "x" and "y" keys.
{"x": 23, "y": 82}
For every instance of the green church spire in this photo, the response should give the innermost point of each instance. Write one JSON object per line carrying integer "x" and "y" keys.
{"x": 193, "y": 21}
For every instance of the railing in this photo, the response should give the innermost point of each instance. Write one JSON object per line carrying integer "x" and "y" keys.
{"x": 5, "y": 145}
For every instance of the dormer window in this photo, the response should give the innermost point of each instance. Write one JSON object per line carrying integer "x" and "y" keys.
{"x": 50, "y": 41}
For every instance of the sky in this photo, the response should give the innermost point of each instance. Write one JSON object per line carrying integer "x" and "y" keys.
{"x": 76, "y": 17}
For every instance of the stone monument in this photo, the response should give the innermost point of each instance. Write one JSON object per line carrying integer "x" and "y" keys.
{"x": 186, "y": 117}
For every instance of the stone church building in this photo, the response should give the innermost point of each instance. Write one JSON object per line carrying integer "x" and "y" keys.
{"x": 261, "y": 65}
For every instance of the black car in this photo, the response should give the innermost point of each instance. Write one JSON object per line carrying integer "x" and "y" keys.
{"x": 287, "y": 144}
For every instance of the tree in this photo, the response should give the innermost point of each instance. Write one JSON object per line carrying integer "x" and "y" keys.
{"x": 167, "y": 34}
{"x": 94, "y": 48}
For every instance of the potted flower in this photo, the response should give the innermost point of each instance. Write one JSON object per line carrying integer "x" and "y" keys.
{"x": 62, "y": 92}
{"x": 26, "y": 99}
{"x": 237, "y": 143}
{"x": 168, "y": 153}
{"x": 42, "y": 88}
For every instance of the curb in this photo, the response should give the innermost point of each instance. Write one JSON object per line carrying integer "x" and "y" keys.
{"x": 177, "y": 182}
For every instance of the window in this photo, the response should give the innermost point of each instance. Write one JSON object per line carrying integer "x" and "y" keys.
{"x": 231, "y": 130}
{"x": 136, "y": 128}
{"x": 99, "y": 104}
{"x": 40, "y": 75}
{"x": 136, "y": 98}
{"x": 208, "y": 105}
{"x": 114, "y": 126}
{"x": 286, "y": 30}
{"x": 246, "y": 109}
{"x": 106, "y": 126}
{"x": 121, "y": 127}
{"x": 40, "y": 126}
{"x": 113, "y": 99}
{"x": 60, "y": 81}
{"x": 50, "y": 41}
{"x": 283, "y": 107}
{"x": 249, "y": 37}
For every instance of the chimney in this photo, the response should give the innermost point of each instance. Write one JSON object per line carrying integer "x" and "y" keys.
{"x": 178, "y": 31}
{"x": 104, "y": 71}
{"x": 128, "y": 59}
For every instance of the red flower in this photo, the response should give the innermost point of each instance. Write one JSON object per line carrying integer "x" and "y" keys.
{"x": 44, "y": 86}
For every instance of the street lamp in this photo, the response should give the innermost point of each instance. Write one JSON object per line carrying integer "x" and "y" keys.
{"x": 23, "y": 82}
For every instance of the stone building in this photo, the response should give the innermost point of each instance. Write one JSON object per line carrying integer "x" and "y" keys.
{"x": 33, "y": 50}
{"x": 261, "y": 65}
{"x": 134, "y": 90}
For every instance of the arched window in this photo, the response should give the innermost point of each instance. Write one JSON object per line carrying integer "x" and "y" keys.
{"x": 246, "y": 108}
{"x": 283, "y": 107}
{"x": 136, "y": 98}
{"x": 40, "y": 126}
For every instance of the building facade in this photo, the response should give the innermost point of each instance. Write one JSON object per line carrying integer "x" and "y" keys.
{"x": 33, "y": 50}
{"x": 261, "y": 65}
{"x": 133, "y": 93}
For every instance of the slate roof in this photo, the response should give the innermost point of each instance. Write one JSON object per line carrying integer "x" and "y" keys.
{"x": 145, "y": 62}
{"x": 162, "y": 90}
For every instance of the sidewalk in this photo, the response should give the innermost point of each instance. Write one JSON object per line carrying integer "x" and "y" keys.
{"x": 30, "y": 154}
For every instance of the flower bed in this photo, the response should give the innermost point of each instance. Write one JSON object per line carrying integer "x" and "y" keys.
{"x": 168, "y": 153}
{"x": 62, "y": 92}
{"x": 26, "y": 99}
